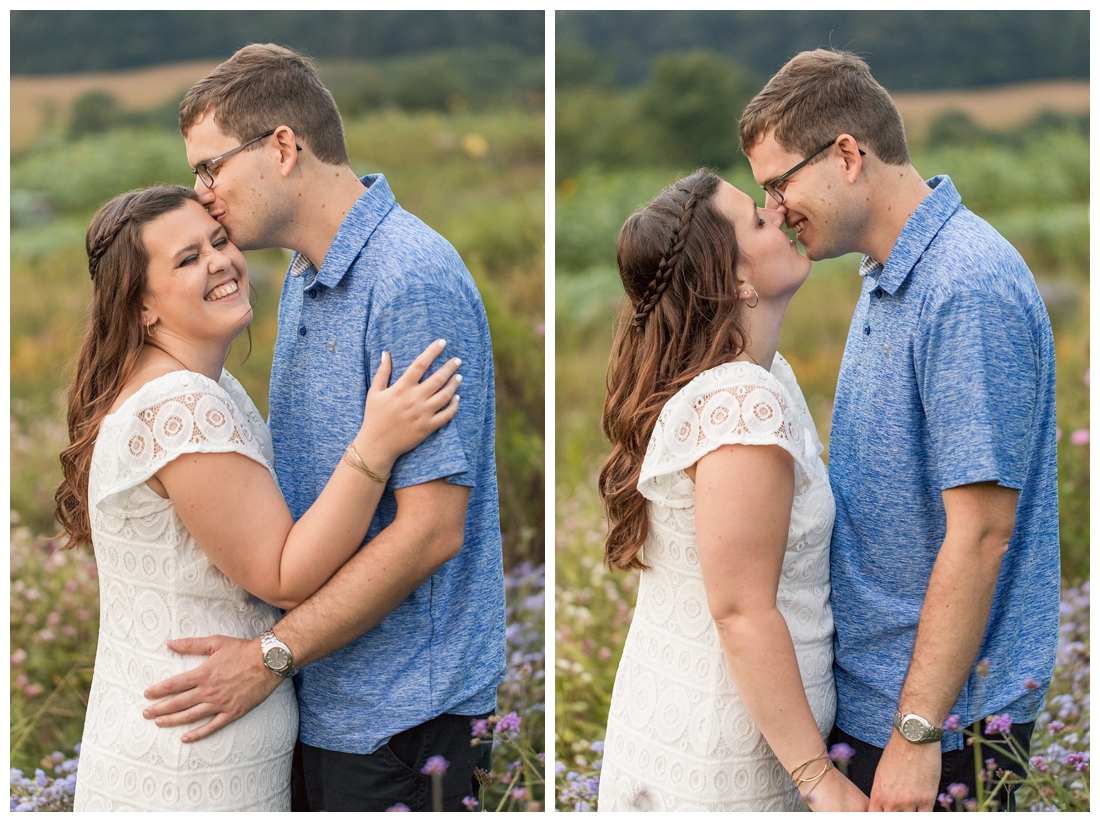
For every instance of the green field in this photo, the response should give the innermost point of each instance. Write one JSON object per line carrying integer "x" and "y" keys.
{"x": 1034, "y": 189}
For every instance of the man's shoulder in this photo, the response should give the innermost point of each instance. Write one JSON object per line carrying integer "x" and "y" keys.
{"x": 404, "y": 251}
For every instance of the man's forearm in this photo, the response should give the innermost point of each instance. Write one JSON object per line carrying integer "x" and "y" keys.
{"x": 360, "y": 595}
{"x": 952, "y": 623}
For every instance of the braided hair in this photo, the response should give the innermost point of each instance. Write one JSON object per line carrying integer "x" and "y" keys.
{"x": 112, "y": 341}
{"x": 671, "y": 259}
{"x": 677, "y": 259}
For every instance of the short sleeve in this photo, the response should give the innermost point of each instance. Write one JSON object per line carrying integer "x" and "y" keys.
{"x": 179, "y": 413}
{"x": 736, "y": 403}
{"x": 978, "y": 375}
{"x": 405, "y": 326}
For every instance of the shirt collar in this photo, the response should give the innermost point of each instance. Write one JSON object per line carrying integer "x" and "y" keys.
{"x": 354, "y": 232}
{"x": 916, "y": 235}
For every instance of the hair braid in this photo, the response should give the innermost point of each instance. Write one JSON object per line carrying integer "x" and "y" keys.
{"x": 670, "y": 261}
{"x": 103, "y": 242}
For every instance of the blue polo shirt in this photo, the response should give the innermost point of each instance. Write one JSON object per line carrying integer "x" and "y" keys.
{"x": 947, "y": 379}
{"x": 390, "y": 283}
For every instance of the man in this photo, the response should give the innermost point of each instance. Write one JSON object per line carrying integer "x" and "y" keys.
{"x": 405, "y": 644}
{"x": 945, "y": 557}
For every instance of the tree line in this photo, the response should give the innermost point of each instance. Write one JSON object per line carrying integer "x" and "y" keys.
{"x": 907, "y": 50}
{"x": 61, "y": 42}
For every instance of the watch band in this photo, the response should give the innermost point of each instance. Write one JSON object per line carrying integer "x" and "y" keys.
{"x": 916, "y": 728}
{"x": 277, "y": 657}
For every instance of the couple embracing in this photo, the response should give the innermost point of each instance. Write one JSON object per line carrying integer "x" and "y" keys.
{"x": 366, "y": 507}
{"x": 878, "y": 610}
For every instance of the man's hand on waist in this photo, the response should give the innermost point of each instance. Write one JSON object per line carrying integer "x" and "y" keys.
{"x": 229, "y": 684}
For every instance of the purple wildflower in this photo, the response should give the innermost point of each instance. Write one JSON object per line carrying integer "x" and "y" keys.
{"x": 436, "y": 765}
{"x": 400, "y": 807}
{"x": 1039, "y": 763}
{"x": 509, "y": 722}
{"x": 841, "y": 753}
{"x": 1031, "y": 685}
{"x": 952, "y": 723}
{"x": 1057, "y": 726}
{"x": 958, "y": 790}
{"x": 998, "y": 725}
{"x": 945, "y": 800}
{"x": 470, "y": 803}
{"x": 970, "y": 805}
{"x": 479, "y": 727}
{"x": 1078, "y": 759}
{"x": 1080, "y": 436}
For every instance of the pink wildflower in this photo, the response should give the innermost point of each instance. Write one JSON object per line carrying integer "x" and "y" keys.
{"x": 1080, "y": 437}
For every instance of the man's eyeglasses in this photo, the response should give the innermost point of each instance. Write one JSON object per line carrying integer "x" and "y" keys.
{"x": 772, "y": 187}
{"x": 205, "y": 170}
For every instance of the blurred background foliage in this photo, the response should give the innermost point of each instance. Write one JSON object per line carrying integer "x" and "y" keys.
{"x": 645, "y": 97}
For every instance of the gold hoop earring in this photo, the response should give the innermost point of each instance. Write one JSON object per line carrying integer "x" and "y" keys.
{"x": 151, "y": 329}
{"x": 753, "y": 305}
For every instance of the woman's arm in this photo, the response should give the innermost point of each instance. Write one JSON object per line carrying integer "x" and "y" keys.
{"x": 233, "y": 508}
{"x": 743, "y": 499}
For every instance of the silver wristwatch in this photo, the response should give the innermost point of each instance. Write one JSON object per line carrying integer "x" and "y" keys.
{"x": 277, "y": 656}
{"x": 917, "y": 729}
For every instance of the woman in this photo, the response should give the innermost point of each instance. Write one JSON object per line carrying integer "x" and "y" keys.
{"x": 716, "y": 491}
{"x": 168, "y": 475}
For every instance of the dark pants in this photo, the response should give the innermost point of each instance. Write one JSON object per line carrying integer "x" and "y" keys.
{"x": 958, "y": 766}
{"x": 333, "y": 781}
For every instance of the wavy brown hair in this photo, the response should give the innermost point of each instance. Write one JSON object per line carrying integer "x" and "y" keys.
{"x": 678, "y": 260}
{"x": 117, "y": 262}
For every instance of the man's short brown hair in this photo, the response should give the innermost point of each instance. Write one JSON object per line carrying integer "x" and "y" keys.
{"x": 819, "y": 95}
{"x": 264, "y": 86}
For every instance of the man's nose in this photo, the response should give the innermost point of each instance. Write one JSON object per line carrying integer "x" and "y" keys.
{"x": 206, "y": 194}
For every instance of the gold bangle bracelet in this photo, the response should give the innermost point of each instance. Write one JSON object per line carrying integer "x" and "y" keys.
{"x": 352, "y": 458}
{"x": 797, "y": 775}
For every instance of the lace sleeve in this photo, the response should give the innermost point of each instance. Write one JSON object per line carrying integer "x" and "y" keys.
{"x": 179, "y": 413}
{"x": 735, "y": 403}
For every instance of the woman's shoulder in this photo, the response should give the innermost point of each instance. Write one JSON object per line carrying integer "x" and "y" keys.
{"x": 157, "y": 385}
{"x": 729, "y": 376}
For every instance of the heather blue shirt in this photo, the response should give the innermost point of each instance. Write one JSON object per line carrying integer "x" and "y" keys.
{"x": 947, "y": 379}
{"x": 390, "y": 283}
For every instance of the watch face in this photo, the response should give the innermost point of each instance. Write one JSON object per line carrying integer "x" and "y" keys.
{"x": 277, "y": 659}
{"x": 912, "y": 729}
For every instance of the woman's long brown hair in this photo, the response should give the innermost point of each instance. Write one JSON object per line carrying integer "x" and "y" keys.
{"x": 117, "y": 262}
{"x": 677, "y": 259}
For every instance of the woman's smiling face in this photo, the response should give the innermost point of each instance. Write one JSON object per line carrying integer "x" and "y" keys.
{"x": 770, "y": 260}
{"x": 197, "y": 281}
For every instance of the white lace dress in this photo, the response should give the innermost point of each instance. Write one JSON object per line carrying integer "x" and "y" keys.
{"x": 678, "y": 735}
{"x": 156, "y": 584}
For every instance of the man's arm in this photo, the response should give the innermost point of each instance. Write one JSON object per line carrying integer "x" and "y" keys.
{"x": 426, "y": 533}
{"x": 980, "y": 520}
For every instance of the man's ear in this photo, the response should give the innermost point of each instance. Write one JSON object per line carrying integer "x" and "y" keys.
{"x": 850, "y": 155}
{"x": 287, "y": 145}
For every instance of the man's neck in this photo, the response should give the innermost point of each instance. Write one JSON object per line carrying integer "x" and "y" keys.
{"x": 325, "y": 200}
{"x": 902, "y": 190}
